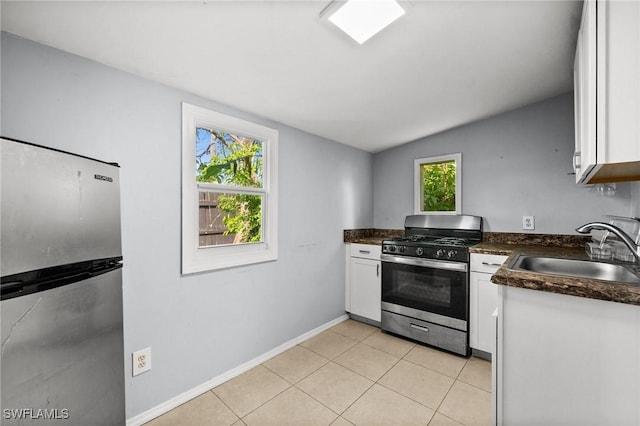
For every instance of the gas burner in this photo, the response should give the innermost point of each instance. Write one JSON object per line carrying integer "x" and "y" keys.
{"x": 428, "y": 240}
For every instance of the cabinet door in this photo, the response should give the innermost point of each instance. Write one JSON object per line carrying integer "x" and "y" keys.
{"x": 575, "y": 357}
{"x": 618, "y": 70}
{"x": 585, "y": 94}
{"x": 483, "y": 301}
{"x": 365, "y": 288}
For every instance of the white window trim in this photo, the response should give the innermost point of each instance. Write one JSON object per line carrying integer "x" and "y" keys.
{"x": 417, "y": 185}
{"x": 194, "y": 258}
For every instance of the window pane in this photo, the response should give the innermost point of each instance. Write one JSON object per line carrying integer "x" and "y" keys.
{"x": 225, "y": 158}
{"x": 439, "y": 186}
{"x": 229, "y": 218}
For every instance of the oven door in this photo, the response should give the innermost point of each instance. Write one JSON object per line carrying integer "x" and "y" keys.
{"x": 432, "y": 290}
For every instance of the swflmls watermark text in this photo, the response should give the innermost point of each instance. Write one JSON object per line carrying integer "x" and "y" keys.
{"x": 35, "y": 413}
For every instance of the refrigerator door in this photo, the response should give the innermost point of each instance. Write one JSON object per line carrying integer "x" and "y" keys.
{"x": 62, "y": 355}
{"x": 57, "y": 208}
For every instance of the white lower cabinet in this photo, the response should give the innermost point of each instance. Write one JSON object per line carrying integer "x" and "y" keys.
{"x": 483, "y": 300}
{"x": 566, "y": 360}
{"x": 364, "y": 281}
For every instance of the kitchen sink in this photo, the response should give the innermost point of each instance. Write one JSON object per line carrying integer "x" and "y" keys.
{"x": 575, "y": 268}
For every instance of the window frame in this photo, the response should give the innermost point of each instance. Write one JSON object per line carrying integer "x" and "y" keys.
{"x": 194, "y": 258}
{"x": 418, "y": 182}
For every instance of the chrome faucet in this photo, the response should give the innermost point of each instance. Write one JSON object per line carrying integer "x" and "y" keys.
{"x": 635, "y": 248}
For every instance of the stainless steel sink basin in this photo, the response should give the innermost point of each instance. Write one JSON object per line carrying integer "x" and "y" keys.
{"x": 575, "y": 268}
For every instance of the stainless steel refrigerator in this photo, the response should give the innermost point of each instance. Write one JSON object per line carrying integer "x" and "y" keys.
{"x": 61, "y": 286}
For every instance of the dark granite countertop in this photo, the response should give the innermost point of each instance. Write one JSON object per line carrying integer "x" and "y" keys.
{"x": 533, "y": 249}
{"x": 371, "y": 236}
{"x": 574, "y": 286}
{"x": 512, "y": 244}
{"x": 374, "y": 241}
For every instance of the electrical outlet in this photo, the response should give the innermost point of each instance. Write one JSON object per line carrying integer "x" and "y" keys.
{"x": 141, "y": 361}
{"x": 528, "y": 222}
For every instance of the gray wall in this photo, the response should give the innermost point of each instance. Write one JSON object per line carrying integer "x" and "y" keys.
{"x": 514, "y": 164}
{"x": 202, "y": 325}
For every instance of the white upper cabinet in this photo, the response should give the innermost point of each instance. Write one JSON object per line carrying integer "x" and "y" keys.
{"x": 607, "y": 92}
{"x": 584, "y": 82}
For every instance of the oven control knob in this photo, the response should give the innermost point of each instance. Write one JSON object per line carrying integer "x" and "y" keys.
{"x": 451, "y": 254}
{"x": 402, "y": 249}
{"x": 392, "y": 248}
{"x": 419, "y": 251}
{"x": 440, "y": 253}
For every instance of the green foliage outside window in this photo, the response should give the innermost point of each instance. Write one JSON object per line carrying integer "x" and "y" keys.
{"x": 232, "y": 160}
{"x": 439, "y": 186}
{"x": 244, "y": 218}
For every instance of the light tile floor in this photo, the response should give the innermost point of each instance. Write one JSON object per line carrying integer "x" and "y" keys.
{"x": 352, "y": 374}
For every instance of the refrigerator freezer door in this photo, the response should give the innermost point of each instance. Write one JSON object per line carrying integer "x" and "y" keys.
{"x": 57, "y": 208}
{"x": 62, "y": 355}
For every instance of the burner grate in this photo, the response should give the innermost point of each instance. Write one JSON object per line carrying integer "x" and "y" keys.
{"x": 452, "y": 241}
{"x": 428, "y": 240}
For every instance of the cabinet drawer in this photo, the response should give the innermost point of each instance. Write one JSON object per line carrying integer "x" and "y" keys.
{"x": 366, "y": 251}
{"x": 486, "y": 262}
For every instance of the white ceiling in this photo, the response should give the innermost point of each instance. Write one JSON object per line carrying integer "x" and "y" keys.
{"x": 443, "y": 64}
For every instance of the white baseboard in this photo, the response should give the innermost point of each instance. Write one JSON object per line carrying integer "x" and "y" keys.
{"x": 174, "y": 402}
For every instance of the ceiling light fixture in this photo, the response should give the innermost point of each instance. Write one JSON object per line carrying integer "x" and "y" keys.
{"x": 362, "y": 19}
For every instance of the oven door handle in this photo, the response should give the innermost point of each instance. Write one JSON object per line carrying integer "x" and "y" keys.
{"x": 439, "y": 264}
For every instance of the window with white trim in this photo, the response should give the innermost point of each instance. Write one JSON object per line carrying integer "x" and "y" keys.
{"x": 438, "y": 184}
{"x": 229, "y": 191}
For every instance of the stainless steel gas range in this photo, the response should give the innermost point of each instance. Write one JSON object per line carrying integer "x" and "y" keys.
{"x": 425, "y": 280}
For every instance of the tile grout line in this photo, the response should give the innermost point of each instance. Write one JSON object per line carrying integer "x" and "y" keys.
{"x": 304, "y": 377}
{"x": 431, "y": 369}
{"x": 448, "y": 391}
{"x": 329, "y": 408}
{"x": 388, "y": 353}
{"x": 356, "y": 342}
{"x": 365, "y": 337}
{"x": 448, "y": 417}
{"x": 360, "y": 374}
{"x": 409, "y": 398}
{"x": 295, "y": 385}
{"x": 455, "y": 379}
{"x": 372, "y": 384}
{"x": 225, "y": 404}
{"x": 358, "y": 398}
{"x": 267, "y": 401}
{"x": 473, "y": 386}
{"x": 443, "y": 399}
{"x": 382, "y": 350}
